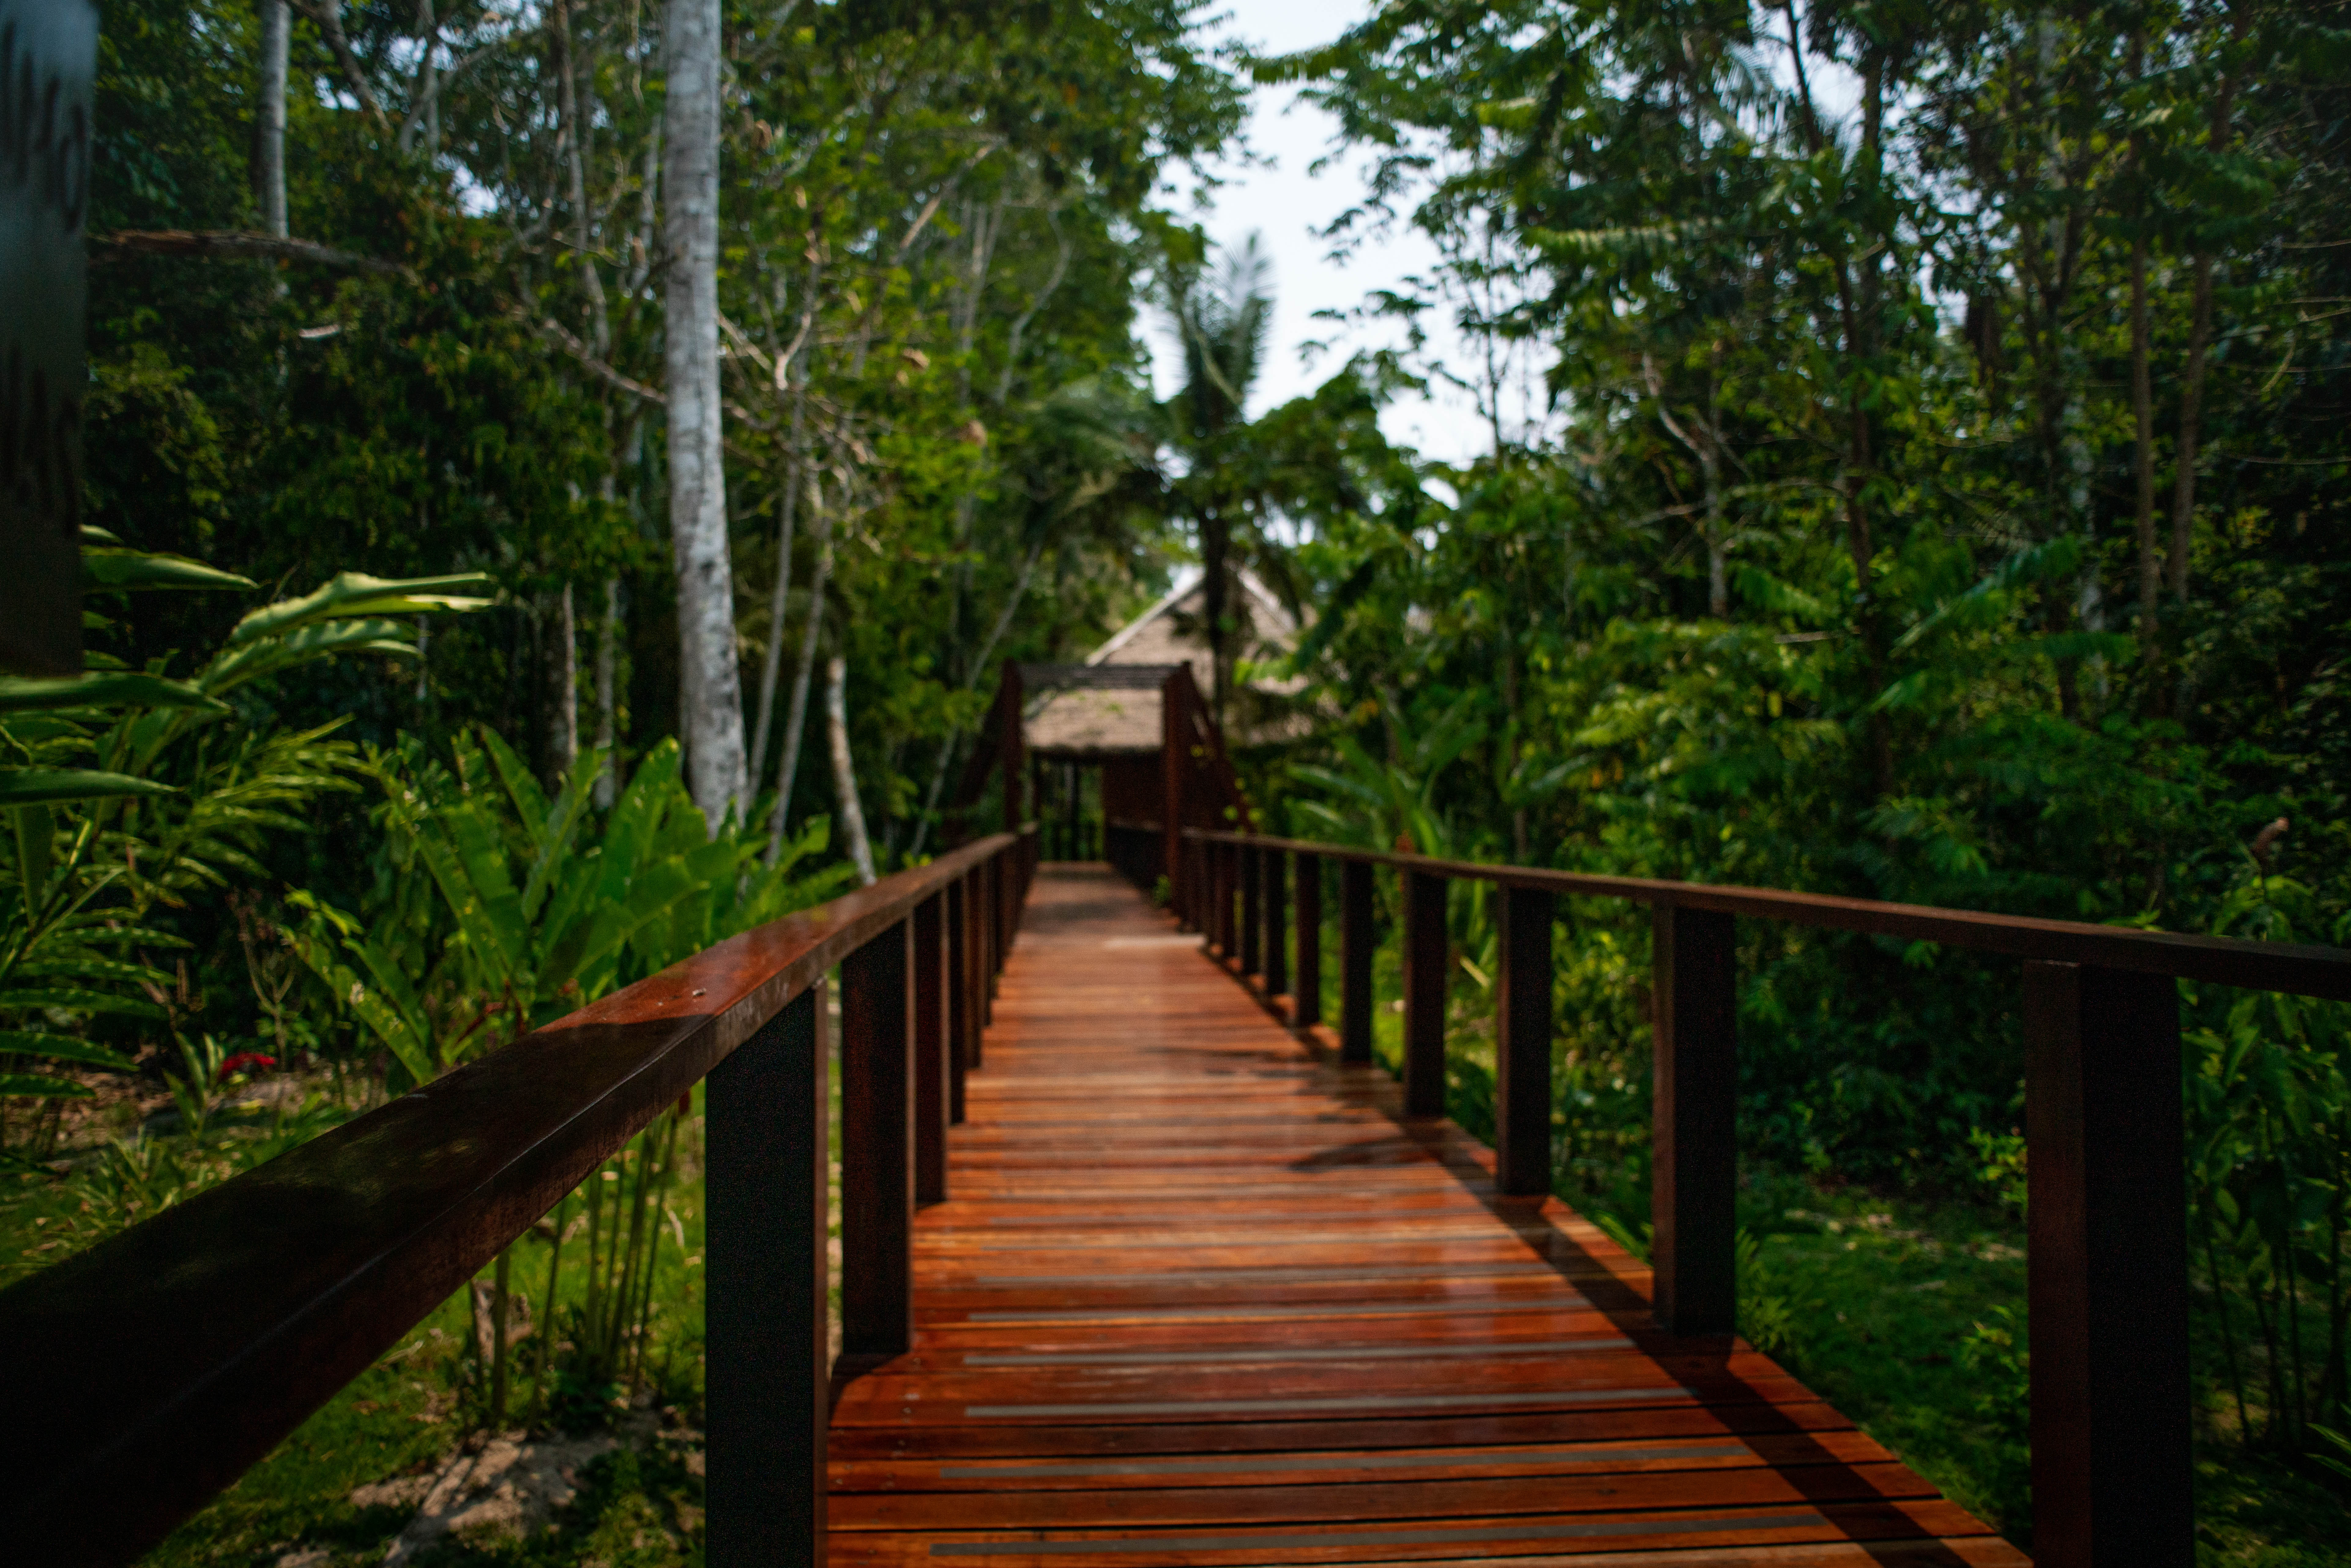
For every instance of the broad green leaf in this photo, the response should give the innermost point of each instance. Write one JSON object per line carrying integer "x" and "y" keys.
{"x": 563, "y": 826}
{"x": 236, "y": 665}
{"x": 353, "y": 594}
{"x": 32, "y": 786}
{"x": 104, "y": 688}
{"x": 86, "y": 969}
{"x": 33, "y": 1086}
{"x": 385, "y": 1022}
{"x": 60, "y": 1048}
{"x": 529, "y": 800}
{"x": 130, "y": 568}
{"x": 74, "y": 999}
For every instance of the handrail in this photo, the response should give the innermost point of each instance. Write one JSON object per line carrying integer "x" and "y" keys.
{"x": 147, "y": 1374}
{"x": 2298, "y": 969}
{"x": 2105, "y": 1119}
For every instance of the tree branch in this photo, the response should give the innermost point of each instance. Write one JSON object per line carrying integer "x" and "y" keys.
{"x": 328, "y": 17}
{"x": 555, "y": 333}
{"x": 209, "y": 244}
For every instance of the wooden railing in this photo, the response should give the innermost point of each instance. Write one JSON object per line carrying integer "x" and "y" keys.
{"x": 146, "y": 1375}
{"x": 2108, "y": 1227}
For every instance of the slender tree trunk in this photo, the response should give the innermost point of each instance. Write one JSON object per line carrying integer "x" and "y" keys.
{"x": 771, "y": 666}
{"x": 2191, "y": 418}
{"x": 562, "y": 688}
{"x": 711, "y": 681}
{"x": 844, "y": 774}
{"x": 796, "y": 715}
{"x": 608, "y": 648}
{"x": 1215, "y": 553}
{"x": 269, "y": 120}
{"x": 2150, "y": 565}
{"x": 575, "y": 140}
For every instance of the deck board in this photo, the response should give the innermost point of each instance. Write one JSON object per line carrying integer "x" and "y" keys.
{"x": 1201, "y": 1296}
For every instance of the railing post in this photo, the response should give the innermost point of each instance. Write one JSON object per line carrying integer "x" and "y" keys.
{"x": 1226, "y": 887}
{"x": 975, "y": 910}
{"x": 764, "y": 1232}
{"x": 1423, "y": 994}
{"x": 1306, "y": 986}
{"x": 991, "y": 937}
{"x": 1693, "y": 1145}
{"x": 1252, "y": 910}
{"x": 1523, "y": 1044}
{"x": 959, "y": 981}
{"x": 1273, "y": 934}
{"x": 932, "y": 1049}
{"x": 1356, "y": 940}
{"x": 2106, "y": 1272}
{"x": 877, "y": 1146}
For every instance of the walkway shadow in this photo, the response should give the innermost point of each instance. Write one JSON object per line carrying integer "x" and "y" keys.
{"x": 1816, "y": 1474}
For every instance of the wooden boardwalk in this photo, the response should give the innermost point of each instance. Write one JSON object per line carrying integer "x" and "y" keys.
{"x": 1200, "y": 1296}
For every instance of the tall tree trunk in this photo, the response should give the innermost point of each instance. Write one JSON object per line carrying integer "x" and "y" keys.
{"x": 1216, "y": 570}
{"x": 844, "y": 774}
{"x": 711, "y": 682}
{"x": 2217, "y": 133}
{"x": 269, "y": 118}
{"x": 771, "y": 666}
{"x": 2150, "y": 565}
{"x": 2191, "y": 418}
{"x": 562, "y": 688}
{"x": 796, "y": 717}
{"x": 608, "y": 649}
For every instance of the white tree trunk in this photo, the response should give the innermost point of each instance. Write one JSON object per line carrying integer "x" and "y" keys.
{"x": 269, "y": 121}
{"x": 563, "y": 689}
{"x": 608, "y": 643}
{"x": 710, "y": 682}
{"x": 844, "y": 773}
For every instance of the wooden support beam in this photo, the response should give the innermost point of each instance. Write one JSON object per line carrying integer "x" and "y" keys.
{"x": 1694, "y": 1146}
{"x": 2113, "y": 1474}
{"x": 933, "y": 1047}
{"x": 1355, "y": 943}
{"x": 959, "y": 1009}
{"x": 1273, "y": 933}
{"x": 1306, "y": 986}
{"x": 1523, "y": 1044}
{"x": 1253, "y": 943}
{"x": 877, "y": 1146}
{"x": 1425, "y": 958}
{"x": 764, "y": 1232}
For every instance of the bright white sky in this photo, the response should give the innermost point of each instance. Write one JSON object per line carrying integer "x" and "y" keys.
{"x": 1284, "y": 205}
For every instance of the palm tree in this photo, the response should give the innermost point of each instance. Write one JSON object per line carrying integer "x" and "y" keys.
{"x": 1222, "y": 320}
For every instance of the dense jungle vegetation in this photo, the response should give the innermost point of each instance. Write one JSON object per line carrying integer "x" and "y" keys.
{"x": 1935, "y": 491}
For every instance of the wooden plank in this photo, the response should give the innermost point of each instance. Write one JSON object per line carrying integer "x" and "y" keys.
{"x": 1204, "y": 1295}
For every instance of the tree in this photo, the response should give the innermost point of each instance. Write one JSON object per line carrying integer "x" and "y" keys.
{"x": 712, "y": 695}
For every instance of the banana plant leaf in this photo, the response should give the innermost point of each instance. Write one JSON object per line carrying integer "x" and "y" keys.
{"x": 355, "y": 594}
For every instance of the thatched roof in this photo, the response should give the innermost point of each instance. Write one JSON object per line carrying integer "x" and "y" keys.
{"x": 1109, "y": 706}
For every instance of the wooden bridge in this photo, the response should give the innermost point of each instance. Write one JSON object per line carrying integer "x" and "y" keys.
{"x": 1201, "y": 1294}
{"x": 1144, "y": 1265}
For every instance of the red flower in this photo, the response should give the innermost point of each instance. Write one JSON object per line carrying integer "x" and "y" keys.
{"x": 246, "y": 1061}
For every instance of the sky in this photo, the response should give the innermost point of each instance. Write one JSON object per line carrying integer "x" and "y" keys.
{"x": 1276, "y": 196}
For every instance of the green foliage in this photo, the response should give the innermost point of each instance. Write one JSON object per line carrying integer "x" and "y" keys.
{"x": 184, "y": 792}
{"x": 498, "y": 908}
